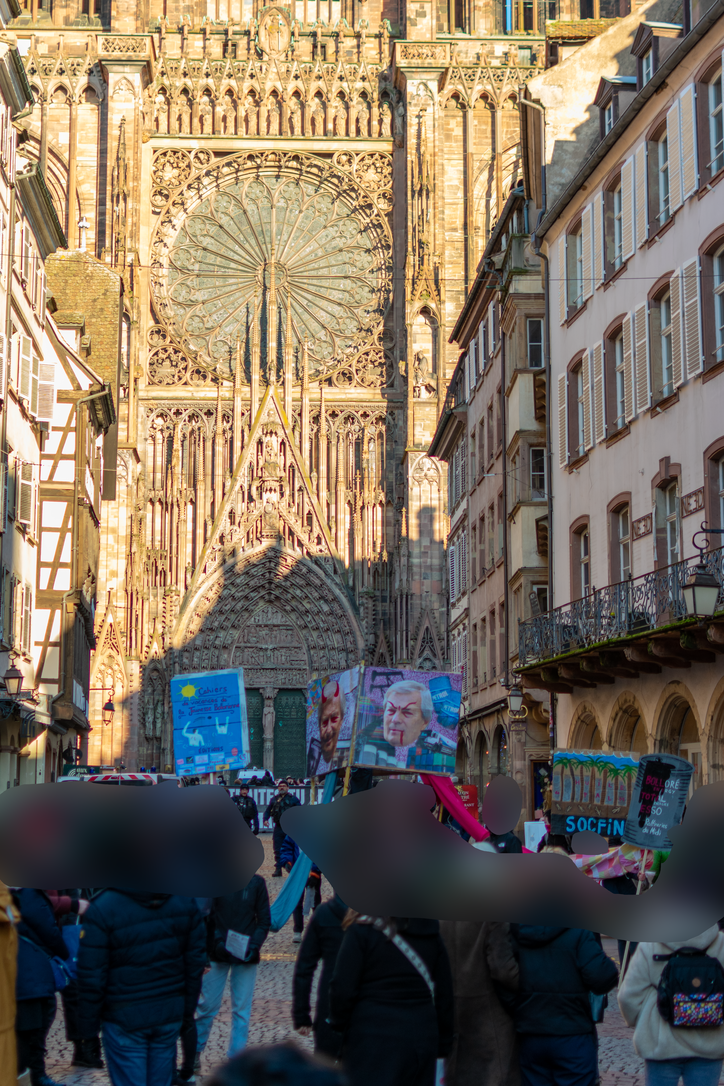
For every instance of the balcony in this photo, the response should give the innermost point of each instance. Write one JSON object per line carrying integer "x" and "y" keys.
{"x": 622, "y": 630}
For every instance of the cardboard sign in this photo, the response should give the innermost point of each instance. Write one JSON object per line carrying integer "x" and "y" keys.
{"x": 469, "y": 795}
{"x": 331, "y": 711}
{"x": 657, "y": 804}
{"x": 591, "y": 790}
{"x": 210, "y": 725}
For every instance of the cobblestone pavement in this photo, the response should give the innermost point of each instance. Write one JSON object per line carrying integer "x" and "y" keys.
{"x": 271, "y": 1015}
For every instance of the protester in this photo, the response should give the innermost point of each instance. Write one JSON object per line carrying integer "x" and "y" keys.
{"x": 283, "y": 800}
{"x": 671, "y": 1052}
{"x": 139, "y": 975}
{"x": 248, "y": 808}
{"x": 9, "y": 918}
{"x": 555, "y": 842}
{"x": 621, "y": 884}
{"x": 277, "y": 1065}
{"x": 381, "y": 1000}
{"x": 68, "y": 907}
{"x": 506, "y": 842}
{"x": 321, "y": 942}
{"x": 288, "y": 853}
{"x": 39, "y": 940}
{"x": 246, "y": 914}
{"x": 558, "y": 968}
{"x": 484, "y": 1050}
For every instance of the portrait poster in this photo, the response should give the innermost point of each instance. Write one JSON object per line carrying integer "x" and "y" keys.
{"x": 659, "y": 794}
{"x": 408, "y": 720}
{"x": 331, "y": 709}
{"x": 591, "y": 790}
{"x": 210, "y": 724}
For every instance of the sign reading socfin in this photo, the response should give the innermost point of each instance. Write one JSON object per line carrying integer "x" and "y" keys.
{"x": 591, "y": 790}
{"x": 210, "y": 725}
{"x": 660, "y": 791}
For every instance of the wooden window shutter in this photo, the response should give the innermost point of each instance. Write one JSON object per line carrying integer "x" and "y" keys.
{"x": 689, "y": 158}
{"x": 26, "y": 491}
{"x": 3, "y": 491}
{"x": 586, "y": 371}
{"x": 599, "y": 394}
{"x": 463, "y": 469}
{"x": 463, "y": 561}
{"x": 452, "y": 571}
{"x": 25, "y": 366}
{"x": 17, "y": 632}
{"x": 642, "y": 367}
{"x": 642, "y": 194}
{"x": 628, "y": 374}
{"x": 627, "y": 208}
{"x": 563, "y": 419}
{"x": 691, "y": 292}
{"x": 34, "y": 385}
{"x": 562, "y": 297}
{"x": 587, "y": 251}
{"x": 465, "y": 658}
{"x": 46, "y": 392}
{"x": 598, "y": 239}
{"x": 3, "y": 360}
{"x": 27, "y": 617}
{"x": 673, "y": 142}
{"x": 676, "y": 337}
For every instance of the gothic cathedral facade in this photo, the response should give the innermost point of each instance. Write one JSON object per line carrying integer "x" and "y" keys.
{"x": 296, "y": 198}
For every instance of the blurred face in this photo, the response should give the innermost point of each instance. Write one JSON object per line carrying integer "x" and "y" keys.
{"x": 403, "y": 720}
{"x": 330, "y": 722}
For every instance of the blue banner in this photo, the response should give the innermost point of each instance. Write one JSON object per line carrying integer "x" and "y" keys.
{"x": 210, "y": 725}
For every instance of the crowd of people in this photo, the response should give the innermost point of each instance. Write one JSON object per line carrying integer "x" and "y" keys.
{"x": 142, "y": 976}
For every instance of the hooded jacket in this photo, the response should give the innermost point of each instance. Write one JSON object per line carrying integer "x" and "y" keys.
{"x": 246, "y": 912}
{"x": 654, "y": 1038}
{"x": 140, "y": 961}
{"x": 557, "y": 968}
{"x": 39, "y": 940}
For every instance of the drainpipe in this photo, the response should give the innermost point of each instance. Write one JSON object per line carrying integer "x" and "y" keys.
{"x": 549, "y": 390}
{"x": 504, "y": 436}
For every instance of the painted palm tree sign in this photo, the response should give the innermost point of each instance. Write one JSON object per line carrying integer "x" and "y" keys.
{"x": 592, "y": 790}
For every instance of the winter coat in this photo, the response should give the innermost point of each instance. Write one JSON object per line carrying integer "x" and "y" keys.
{"x": 654, "y": 1038}
{"x": 246, "y": 912}
{"x": 288, "y": 852}
{"x": 321, "y": 941}
{"x": 249, "y": 812}
{"x": 278, "y": 805}
{"x": 140, "y": 961}
{"x": 9, "y": 916}
{"x": 484, "y": 1050}
{"x": 506, "y": 842}
{"x": 393, "y": 1032}
{"x": 39, "y": 940}
{"x": 558, "y": 967}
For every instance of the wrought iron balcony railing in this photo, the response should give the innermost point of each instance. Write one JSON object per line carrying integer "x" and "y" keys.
{"x": 616, "y": 611}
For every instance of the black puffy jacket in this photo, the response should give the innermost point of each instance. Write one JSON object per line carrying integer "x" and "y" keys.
{"x": 322, "y": 940}
{"x": 246, "y": 912}
{"x": 39, "y": 940}
{"x": 558, "y": 967}
{"x": 141, "y": 960}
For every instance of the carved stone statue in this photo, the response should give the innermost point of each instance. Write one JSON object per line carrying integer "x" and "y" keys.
{"x": 400, "y": 124}
{"x": 295, "y": 117}
{"x": 273, "y": 114}
{"x": 206, "y": 115}
{"x": 423, "y": 386}
{"x": 160, "y": 113}
{"x": 385, "y": 120}
{"x": 229, "y": 116}
{"x": 184, "y": 115}
{"x": 251, "y": 110}
{"x": 363, "y": 118}
{"x": 340, "y": 118}
{"x": 318, "y": 118}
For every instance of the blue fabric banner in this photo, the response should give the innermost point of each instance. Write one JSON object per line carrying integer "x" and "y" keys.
{"x": 293, "y": 888}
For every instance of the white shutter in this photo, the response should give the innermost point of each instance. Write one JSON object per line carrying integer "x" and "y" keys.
{"x": 676, "y": 340}
{"x": 586, "y": 372}
{"x": 27, "y": 617}
{"x": 673, "y": 143}
{"x": 25, "y": 492}
{"x": 642, "y": 195}
{"x": 452, "y": 571}
{"x": 563, "y": 419}
{"x": 587, "y": 251}
{"x": 642, "y": 368}
{"x": 2, "y": 362}
{"x": 689, "y": 162}
{"x": 463, "y": 561}
{"x": 599, "y": 394}
{"x": 17, "y": 603}
{"x": 628, "y": 374}
{"x": 562, "y": 299}
{"x": 691, "y": 291}
{"x": 598, "y": 239}
{"x": 463, "y": 469}
{"x": 3, "y": 500}
{"x": 46, "y": 392}
{"x": 34, "y": 385}
{"x": 25, "y": 366}
{"x": 465, "y": 659}
{"x": 627, "y": 208}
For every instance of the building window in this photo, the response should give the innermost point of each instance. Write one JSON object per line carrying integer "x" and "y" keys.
{"x": 481, "y": 446}
{"x": 538, "y": 474}
{"x": 667, "y": 360}
{"x": 473, "y": 474}
{"x": 540, "y": 591}
{"x": 617, "y": 226}
{"x": 716, "y": 124}
{"x": 622, "y": 544}
{"x": 580, "y": 562}
{"x": 719, "y": 303}
{"x": 720, "y": 483}
{"x": 579, "y": 442}
{"x": 491, "y": 536}
{"x": 473, "y": 557}
{"x": 663, "y": 162}
{"x": 535, "y": 342}
{"x": 574, "y": 252}
{"x": 671, "y": 508}
{"x": 481, "y": 542}
{"x": 500, "y": 525}
{"x": 647, "y": 66}
{"x": 619, "y": 382}
{"x": 608, "y": 118}
{"x": 483, "y": 669}
{"x": 492, "y": 653}
{"x": 475, "y": 655}
{"x": 491, "y": 432}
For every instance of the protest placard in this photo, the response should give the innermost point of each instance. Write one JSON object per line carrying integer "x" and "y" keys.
{"x": 210, "y": 724}
{"x": 657, "y": 804}
{"x": 591, "y": 790}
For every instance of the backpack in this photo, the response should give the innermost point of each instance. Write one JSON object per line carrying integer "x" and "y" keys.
{"x": 690, "y": 994}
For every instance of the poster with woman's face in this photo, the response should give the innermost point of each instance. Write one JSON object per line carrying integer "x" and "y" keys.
{"x": 408, "y": 720}
{"x": 331, "y": 705}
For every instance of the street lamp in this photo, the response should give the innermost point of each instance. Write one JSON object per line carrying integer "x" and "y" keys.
{"x": 13, "y": 679}
{"x": 515, "y": 700}
{"x": 108, "y": 710}
{"x": 701, "y": 593}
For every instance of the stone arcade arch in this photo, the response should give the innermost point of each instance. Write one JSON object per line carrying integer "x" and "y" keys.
{"x": 627, "y": 727}
{"x": 678, "y": 731}
{"x": 281, "y": 617}
{"x": 585, "y": 731}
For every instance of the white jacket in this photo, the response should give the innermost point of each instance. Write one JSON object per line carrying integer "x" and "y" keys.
{"x": 654, "y": 1038}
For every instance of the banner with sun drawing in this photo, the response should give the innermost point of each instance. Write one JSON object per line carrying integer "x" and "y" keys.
{"x": 210, "y": 724}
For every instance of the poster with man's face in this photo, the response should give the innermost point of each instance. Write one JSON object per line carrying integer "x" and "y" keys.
{"x": 408, "y": 720}
{"x": 331, "y": 705}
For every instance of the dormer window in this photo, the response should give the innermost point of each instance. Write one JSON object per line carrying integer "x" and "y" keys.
{"x": 608, "y": 118}
{"x": 612, "y": 98}
{"x": 651, "y": 46}
{"x": 647, "y": 66}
